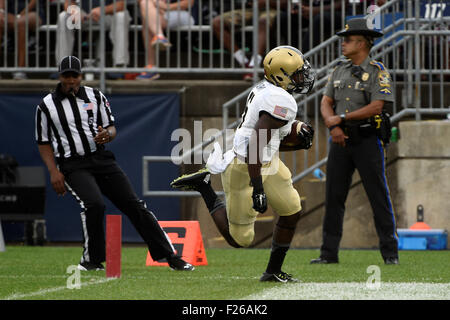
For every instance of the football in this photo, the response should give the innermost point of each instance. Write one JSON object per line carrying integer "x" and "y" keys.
{"x": 300, "y": 137}
{"x": 292, "y": 139}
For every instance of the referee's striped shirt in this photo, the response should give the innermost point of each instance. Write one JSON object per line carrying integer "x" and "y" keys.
{"x": 69, "y": 123}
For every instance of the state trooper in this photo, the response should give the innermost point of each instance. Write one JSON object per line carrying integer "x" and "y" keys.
{"x": 353, "y": 108}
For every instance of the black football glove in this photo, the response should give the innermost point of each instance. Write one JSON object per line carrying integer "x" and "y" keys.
{"x": 307, "y": 134}
{"x": 258, "y": 196}
{"x": 259, "y": 202}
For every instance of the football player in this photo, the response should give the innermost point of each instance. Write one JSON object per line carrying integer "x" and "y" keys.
{"x": 254, "y": 176}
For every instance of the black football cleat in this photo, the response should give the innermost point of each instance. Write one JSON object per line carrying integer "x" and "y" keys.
{"x": 192, "y": 181}
{"x": 321, "y": 260}
{"x": 391, "y": 260}
{"x": 88, "y": 266}
{"x": 281, "y": 276}
{"x": 178, "y": 264}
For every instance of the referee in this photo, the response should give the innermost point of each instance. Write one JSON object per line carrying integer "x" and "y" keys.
{"x": 73, "y": 124}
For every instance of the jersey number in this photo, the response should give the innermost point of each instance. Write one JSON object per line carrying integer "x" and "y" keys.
{"x": 249, "y": 100}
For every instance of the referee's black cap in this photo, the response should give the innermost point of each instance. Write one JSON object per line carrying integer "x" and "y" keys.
{"x": 70, "y": 63}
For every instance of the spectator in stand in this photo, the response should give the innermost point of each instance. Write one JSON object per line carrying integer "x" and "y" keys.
{"x": 237, "y": 19}
{"x": 117, "y": 21}
{"x": 27, "y": 14}
{"x": 316, "y": 31}
{"x": 158, "y": 15}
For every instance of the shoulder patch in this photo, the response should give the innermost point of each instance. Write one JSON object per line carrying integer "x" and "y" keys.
{"x": 378, "y": 64}
{"x": 384, "y": 79}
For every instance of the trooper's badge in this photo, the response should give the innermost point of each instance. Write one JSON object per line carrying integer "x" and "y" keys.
{"x": 365, "y": 76}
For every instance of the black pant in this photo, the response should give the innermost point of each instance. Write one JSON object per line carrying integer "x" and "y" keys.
{"x": 91, "y": 176}
{"x": 368, "y": 157}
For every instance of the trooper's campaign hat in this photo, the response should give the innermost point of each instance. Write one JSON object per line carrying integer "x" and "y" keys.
{"x": 359, "y": 26}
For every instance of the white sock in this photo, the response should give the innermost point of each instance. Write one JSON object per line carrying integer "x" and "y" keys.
{"x": 240, "y": 57}
{"x": 252, "y": 61}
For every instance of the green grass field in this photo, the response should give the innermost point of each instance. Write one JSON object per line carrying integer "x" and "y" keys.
{"x": 39, "y": 273}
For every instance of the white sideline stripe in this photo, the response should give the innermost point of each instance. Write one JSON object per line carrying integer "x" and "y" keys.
{"x": 355, "y": 291}
{"x": 55, "y": 289}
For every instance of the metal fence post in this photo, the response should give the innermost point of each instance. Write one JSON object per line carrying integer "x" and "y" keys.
{"x": 417, "y": 100}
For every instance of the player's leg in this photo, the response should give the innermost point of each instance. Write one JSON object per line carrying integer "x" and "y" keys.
{"x": 282, "y": 236}
{"x": 239, "y": 204}
{"x": 220, "y": 218}
{"x": 201, "y": 181}
{"x": 285, "y": 200}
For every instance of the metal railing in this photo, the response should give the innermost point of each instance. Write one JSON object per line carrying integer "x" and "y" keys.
{"x": 199, "y": 46}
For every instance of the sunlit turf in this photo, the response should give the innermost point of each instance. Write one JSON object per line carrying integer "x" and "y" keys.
{"x": 41, "y": 273}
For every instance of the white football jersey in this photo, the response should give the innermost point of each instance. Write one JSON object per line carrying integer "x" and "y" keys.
{"x": 275, "y": 101}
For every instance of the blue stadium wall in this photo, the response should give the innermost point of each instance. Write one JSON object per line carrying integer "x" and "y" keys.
{"x": 144, "y": 124}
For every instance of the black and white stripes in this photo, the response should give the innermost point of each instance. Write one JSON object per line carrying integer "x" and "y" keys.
{"x": 69, "y": 122}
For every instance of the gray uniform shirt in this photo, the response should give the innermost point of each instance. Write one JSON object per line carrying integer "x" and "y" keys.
{"x": 347, "y": 91}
